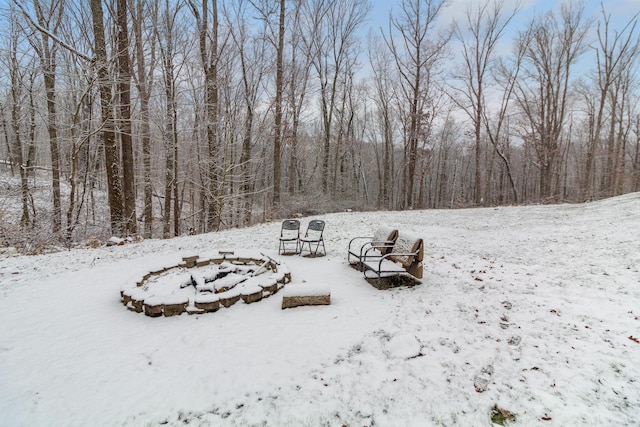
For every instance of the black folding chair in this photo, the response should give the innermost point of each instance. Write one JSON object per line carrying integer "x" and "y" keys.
{"x": 289, "y": 237}
{"x": 313, "y": 238}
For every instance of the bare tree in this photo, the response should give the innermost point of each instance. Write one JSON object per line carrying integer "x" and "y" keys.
{"x": 16, "y": 90}
{"x": 124, "y": 122}
{"x": 485, "y": 24}
{"x": 251, "y": 52}
{"x": 145, "y": 14}
{"x": 615, "y": 53}
{"x": 551, "y": 49}
{"x": 384, "y": 92}
{"x": 111, "y": 149}
{"x": 298, "y": 69}
{"x": 416, "y": 51}
{"x": 331, "y": 36}
{"x": 166, "y": 33}
{"x": 277, "y": 126}
{"x": 497, "y": 127}
{"x": 49, "y": 16}
{"x": 209, "y": 56}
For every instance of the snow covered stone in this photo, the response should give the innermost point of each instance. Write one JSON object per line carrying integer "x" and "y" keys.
{"x": 278, "y": 277}
{"x": 251, "y": 294}
{"x": 306, "y": 294}
{"x": 207, "y": 302}
{"x": 190, "y": 261}
{"x": 269, "y": 285}
{"x": 197, "y": 279}
{"x": 153, "y": 307}
{"x": 136, "y": 299}
{"x": 228, "y": 282}
{"x": 229, "y": 298}
{"x": 125, "y": 293}
{"x": 175, "y": 304}
{"x": 172, "y": 290}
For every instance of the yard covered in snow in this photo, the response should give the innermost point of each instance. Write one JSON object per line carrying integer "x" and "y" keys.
{"x": 531, "y": 310}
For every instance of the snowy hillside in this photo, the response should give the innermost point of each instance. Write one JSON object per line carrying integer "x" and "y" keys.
{"x": 532, "y": 311}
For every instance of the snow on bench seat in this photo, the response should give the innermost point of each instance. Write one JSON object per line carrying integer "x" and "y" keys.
{"x": 406, "y": 257}
{"x": 305, "y": 294}
{"x": 385, "y": 267}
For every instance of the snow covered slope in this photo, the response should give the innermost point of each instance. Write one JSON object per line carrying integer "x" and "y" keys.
{"x": 533, "y": 310}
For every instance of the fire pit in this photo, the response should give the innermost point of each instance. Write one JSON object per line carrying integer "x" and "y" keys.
{"x": 203, "y": 285}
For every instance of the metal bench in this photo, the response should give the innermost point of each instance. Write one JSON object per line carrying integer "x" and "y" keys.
{"x": 404, "y": 258}
{"x": 370, "y": 248}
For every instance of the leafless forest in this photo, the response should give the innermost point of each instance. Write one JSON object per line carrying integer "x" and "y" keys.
{"x": 162, "y": 117}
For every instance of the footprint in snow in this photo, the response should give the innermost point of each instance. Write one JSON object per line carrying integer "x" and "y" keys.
{"x": 514, "y": 347}
{"x": 404, "y": 346}
{"x": 483, "y": 378}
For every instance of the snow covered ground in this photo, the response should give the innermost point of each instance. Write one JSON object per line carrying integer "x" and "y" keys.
{"x": 532, "y": 310}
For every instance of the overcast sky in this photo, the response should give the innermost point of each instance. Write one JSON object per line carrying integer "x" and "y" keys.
{"x": 621, "y": 10}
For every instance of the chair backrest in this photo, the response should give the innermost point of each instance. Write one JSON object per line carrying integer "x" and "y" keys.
{"x": 407, "y": 243}
{"x": 290, "y": 225}
{"x": 315, "y": 225}
{"x": 385, "y": 237}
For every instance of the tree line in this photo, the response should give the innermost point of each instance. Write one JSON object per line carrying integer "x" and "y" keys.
{"x": 178, "y": 116}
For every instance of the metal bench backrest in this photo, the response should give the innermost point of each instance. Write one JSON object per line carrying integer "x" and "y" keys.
{"x": 385, "y": 236}
{"x": 408, "y": 244}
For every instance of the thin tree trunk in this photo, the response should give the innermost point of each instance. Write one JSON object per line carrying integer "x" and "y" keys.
{"x": 144, "y": 82}
{"x": 278, "y": 108}
{"x": 48, "y": 63}
{"x": 124, "y": 92}
{"x": 17, "y": 159}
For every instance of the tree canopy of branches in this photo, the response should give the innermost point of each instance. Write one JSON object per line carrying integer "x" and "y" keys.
{"x": 162, "y": 118}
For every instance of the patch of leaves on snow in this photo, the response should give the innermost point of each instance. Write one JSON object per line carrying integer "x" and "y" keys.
{"x": 501, "y": 416}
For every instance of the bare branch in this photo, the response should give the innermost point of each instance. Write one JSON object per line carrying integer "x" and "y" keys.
{"x": 51, "y": 35}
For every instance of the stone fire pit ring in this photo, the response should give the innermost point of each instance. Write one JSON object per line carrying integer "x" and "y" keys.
{"x": 198, "y": 285}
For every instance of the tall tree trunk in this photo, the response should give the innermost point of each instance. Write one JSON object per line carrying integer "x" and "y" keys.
{"x": 171, "y": 133}
{"x": 48, "y": 63}
{"x": 278, "y": 107}
{"x": 17, "y": 155}
{"x": 209, "y": 55}
{"x": 124, "y": 92}
{"x": 111, "y": 149}
{"x": 144, "y": 83}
